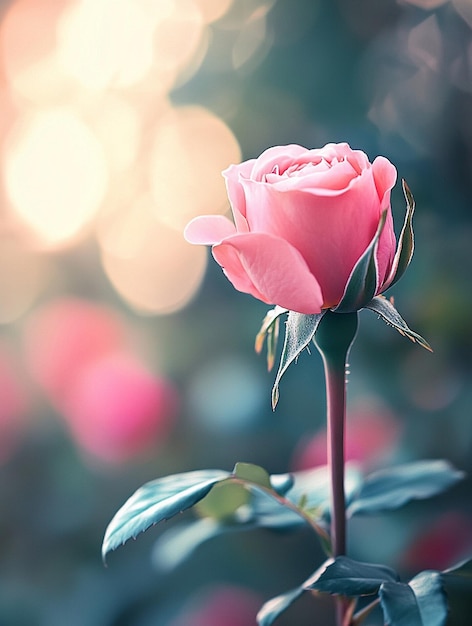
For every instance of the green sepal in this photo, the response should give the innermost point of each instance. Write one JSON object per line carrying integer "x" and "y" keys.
{"x": 299, "y": 331}
{"x": 362, "y": 283}
{"x": 385, "y": 309}
{"x": 406, "y": 241}
{"x": 270, "y": 329}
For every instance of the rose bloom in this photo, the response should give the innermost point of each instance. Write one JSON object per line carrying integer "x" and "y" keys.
{"x": 302, "y": 219}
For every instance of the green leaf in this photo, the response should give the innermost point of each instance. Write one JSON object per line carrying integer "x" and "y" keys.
{"x": 271, "y": 610}
{"x": 299, "y": 331}
{"x": 392, "y": 488}
{"x": 385, "y": 309}
{"x": 159, "y": 500}
{"x": 406, "y": 241}
{"x": 252, "y": 473}
{"x": 347, "y": 577}
{"x": 223, "y": 501}
{"x": 362, "y": 284}
{"x": 269, "y": 329}
{"x": 421, "y": 602}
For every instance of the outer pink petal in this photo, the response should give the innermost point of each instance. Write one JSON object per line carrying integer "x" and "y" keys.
{"x": 385, "y": 177}
{"x": 270, "y": 269}
{"x": 209, "y": 229}
{"x": 232, "y": 176}
{"x": 331, "y": 233}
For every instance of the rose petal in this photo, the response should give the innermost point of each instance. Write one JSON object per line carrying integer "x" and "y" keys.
{"x": 209, "y": 229}
{"x": 270, "y": 269}
{"x": 385, "y": 177}
{"x": 330, "y": 232}
{"x": 232, "y": 176}
{"x": 281, "y": 156}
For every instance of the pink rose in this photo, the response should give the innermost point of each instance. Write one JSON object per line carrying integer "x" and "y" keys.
{"x": 302, "y": 219}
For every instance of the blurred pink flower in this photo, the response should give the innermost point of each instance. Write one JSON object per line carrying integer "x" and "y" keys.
{"x": 372, "y": 433}
{"x": 220, "y": 606}
{"x": 116, "y": 408}
{"x": 79, "y": 354}
{"x": 64, "y": 337}
{"x": 441, "y": 544}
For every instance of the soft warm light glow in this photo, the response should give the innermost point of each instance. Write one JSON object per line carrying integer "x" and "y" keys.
{"x": 151, "y": 265}
{"x": 213, "y": 10}
{"x": 178, "y": 38}
{"x": 107, "y": 42}
{"x": 254, "y": 40}
{"x": 191, "y": 148}
{"x": 118, "y": 44}
{"x": 55, "y": 174}
{"x": 117, "y": 126}
{"x": 27, "y": 47}
{"x": 27, "y": 33}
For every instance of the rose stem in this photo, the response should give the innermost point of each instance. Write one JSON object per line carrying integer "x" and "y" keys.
{"x": 333, "y": 338}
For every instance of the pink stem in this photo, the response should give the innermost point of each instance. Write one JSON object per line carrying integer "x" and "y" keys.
{"x": 333, "y": 338}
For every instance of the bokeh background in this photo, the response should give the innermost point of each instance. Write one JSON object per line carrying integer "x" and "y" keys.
{"x": 126, "y": 355}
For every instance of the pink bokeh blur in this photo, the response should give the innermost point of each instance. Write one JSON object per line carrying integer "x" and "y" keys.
{"x": 220, "y": 605}
{"x": 81, "y": 357}
{"x": 445, "y": 542}
{"x": 371, "y": 436}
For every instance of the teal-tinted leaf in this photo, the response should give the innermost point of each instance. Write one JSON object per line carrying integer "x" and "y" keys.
{"x": 282, "y": 483}
{"x": 392, "y": 488}
{"x": 223, "y": 500}
{"x": 252, "y": 473}
{"x": 312, "y": 487}
{"x": 430, "y": 596}
{"x": 344, "y": 576}
{"x": 421, "y": 602}
{"x": 362, "y": 283}
{"x": 385, "y": 309}
{"x": 156, "y": 501}
{"x": 459, "y": 576}
{"x": 406, "y": 241}
{"x": 177, "y": 544}
{"x": 271, "y": 610}
{"x": 462, "y": 569}
{"x": 269, "y": 329}
{"x": 399, "y": 605}
{"x": 299, "y": 331}
{"x": 261, "y": 509}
